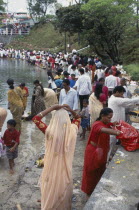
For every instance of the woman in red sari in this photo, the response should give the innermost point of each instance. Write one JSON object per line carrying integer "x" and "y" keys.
{"x": 97, "y": 150}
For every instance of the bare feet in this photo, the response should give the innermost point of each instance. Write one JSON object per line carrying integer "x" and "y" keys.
{"x": 11, "y": 171}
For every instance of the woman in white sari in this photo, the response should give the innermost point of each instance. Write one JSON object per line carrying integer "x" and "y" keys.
{"x": 60, "y": 138}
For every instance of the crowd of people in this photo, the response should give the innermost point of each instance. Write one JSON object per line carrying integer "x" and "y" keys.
{"x": 81, "y": 92}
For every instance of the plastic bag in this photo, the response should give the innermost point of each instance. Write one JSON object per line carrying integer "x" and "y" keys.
{"x": 129, "y": 137}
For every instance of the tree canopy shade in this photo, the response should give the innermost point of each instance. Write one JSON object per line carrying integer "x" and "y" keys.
{"x": 105, "y": 22}
{"x": 2, "y": 5}
{"x": 69, "y": 19}
{"x": 102, "y": 23}
{"x": 38, "y": 8}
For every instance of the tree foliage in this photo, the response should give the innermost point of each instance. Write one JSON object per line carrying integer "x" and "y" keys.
{"x": 130, "y": 46}
{"x": 38, "y": 8}
{"x": 69, "y": 19}
{"x": 2, "y": 5}
{"x": 105, "y": 22}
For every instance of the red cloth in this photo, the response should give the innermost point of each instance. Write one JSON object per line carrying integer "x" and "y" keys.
{"x": 114, "y": 70}
{"x": 95, "y": 157}
{"x": 77, "y": 122}
{"x": 41, "y": 125}
{"x": 107, "y": 74}
{"x": 104, "y": 90}
{"x": 26, "y": 90}
{"x": 129, "y": 137}
{"x": 102, "y": 98}
{"x": 38, "y": 56}
{"x": 10, "y": 138}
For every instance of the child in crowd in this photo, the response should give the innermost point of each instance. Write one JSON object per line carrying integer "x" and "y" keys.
{"x": 11, "y": 140}
{"x": 85, "y": 118}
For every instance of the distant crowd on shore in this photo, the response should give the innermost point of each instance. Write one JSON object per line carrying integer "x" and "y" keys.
{"x": 46, "y": 59}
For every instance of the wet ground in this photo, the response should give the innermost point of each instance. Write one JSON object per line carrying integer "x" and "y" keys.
{"x": 21, "y": 188}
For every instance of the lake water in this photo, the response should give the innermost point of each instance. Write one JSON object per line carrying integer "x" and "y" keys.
{"x": 31, "y": 139}
{"x": 20, "y": 71}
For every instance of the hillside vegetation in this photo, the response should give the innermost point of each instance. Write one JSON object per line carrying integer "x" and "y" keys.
{"x": 46, "y": 37}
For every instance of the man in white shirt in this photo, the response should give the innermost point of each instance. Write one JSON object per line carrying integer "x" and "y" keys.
{"x": 84, "y": 87}
{"x": 75, "y": 71}
{"x": 100, "y": 73}
{"x": 127, "y": 93}
{"x": 118, "y": 104}
{"x": 98, "y": 63}
{"x": 68, "y": 95}
{"x": 110, "y": 82}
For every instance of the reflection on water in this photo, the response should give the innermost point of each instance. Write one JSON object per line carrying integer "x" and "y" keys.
{"x": 20, "y": 71}
{"x": 31, "y": 138}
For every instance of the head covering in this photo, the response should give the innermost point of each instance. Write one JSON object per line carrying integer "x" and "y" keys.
{"x": 56, "y": 178}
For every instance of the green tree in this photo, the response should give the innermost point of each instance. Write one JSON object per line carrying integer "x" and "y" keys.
{"x": 69, "y": 19}
{"x": 2, "y": 6}
{"x": 105, "y": 22}
{"x": 38, "y": 8}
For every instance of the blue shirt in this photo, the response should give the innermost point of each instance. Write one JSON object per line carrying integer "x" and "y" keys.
{"x": 72, "y": 83}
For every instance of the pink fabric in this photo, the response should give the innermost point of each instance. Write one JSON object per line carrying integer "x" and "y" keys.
{"x": 102, "y": 98}
{"x": 56, "y": 178}
{"x": 104, "y": 90}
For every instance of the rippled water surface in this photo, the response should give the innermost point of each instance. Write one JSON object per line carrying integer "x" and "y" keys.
{"x": 31, "y": 139}
{"x": 20, "y": 71}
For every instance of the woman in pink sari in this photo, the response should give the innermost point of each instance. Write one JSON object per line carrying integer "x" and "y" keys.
{"x": 60, "y": 139}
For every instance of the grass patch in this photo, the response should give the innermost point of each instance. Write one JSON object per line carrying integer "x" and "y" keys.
{"x": 45, "y": 37}
{"x": 133, "y": 70}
